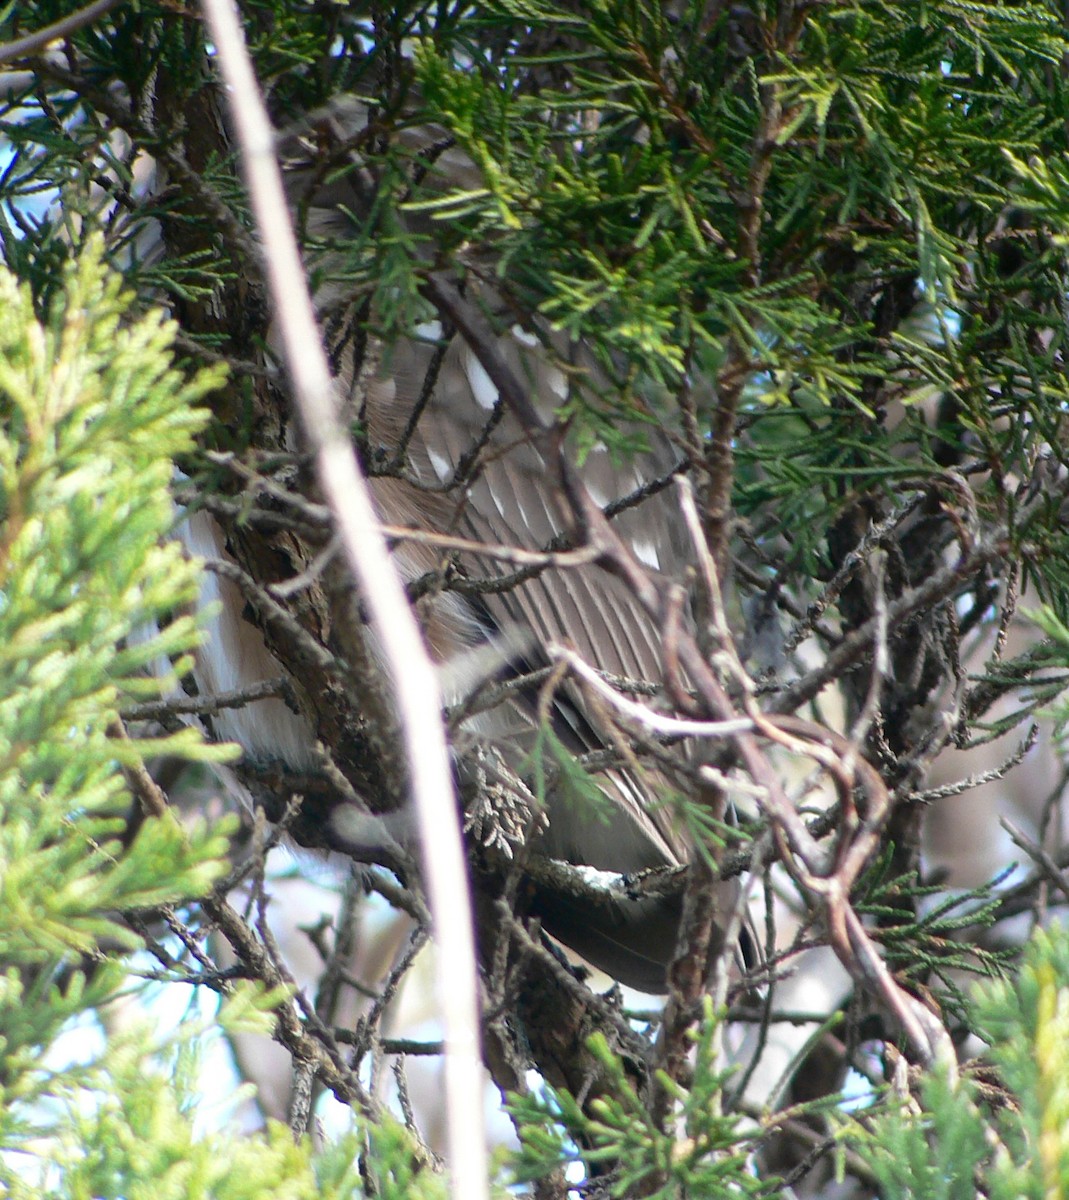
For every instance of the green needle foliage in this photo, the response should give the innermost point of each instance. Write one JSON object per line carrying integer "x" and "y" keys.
{"x": 93, "y": 413}
{"x": 705, "y": 1155}
{"x": 1002, "y": 1133}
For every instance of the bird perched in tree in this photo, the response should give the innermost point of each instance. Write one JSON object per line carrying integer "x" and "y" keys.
{"x": 460, "y": 484}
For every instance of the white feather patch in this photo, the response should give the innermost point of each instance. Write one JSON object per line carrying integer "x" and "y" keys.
{"x": 429, "y": 331}
{"x": 525, "y": 337}
{"x": 441, "y": 465}
{"x": 646, "y": 553}
{"x": 482, "y": 387}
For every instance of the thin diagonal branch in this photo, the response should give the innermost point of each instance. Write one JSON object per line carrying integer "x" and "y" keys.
{"x": 33, "y": 43}
{"x": 415, "y": 685}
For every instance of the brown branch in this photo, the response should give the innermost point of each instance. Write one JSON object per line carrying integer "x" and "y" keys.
{"x": 720, "y": 452}
{"x": 798, "y": 847}
{"x": 162, "y": 147}
{"x": 32, "y": 43}
{"x": 512, "y": 554}
{"x": 200, "y": 705}
{"x": 853, "y": 649}
{"x": 328, "y": 1063}
{"x": 1050, "y": 870}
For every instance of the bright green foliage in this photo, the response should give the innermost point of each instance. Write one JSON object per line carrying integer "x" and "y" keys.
{"x": 1049, "y": 688}
{"x": 92, "y": 414}
{"x": 1009, "y": 1142}
{"x": 125, "y": 1128}
{"x": 395, "y": 1171}
{"x": 129, "y": 1134}
{"x": 705, "y": 1156}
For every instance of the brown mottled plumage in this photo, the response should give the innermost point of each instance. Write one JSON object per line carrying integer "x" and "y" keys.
{"x": 506, "y": 497}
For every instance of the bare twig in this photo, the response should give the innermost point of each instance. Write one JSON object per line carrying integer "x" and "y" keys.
{"x": 291, "y": 1031}
{"x": 308, "y": 577}
{"x": 1050, "y": 870}
{"x": 881, "y": 658}
{"x": 201, "y": 705}
{"x": 655, "y": 722}
{"x": 273, "y": 614}
{"x": 511, "y": 554}
{"x": 831, "y": 591}
{"x": 33, "y": 43}
{"x": 859, "y": 645}
{"x": 317, "y": 515}
{"x": 300, "y": 1106}
{"x": 956, "y": 788}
